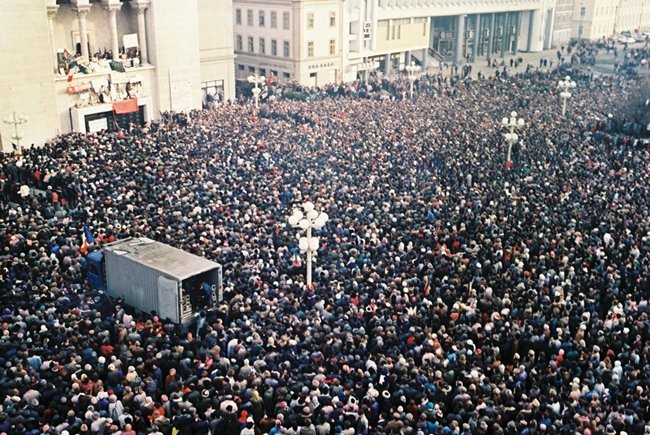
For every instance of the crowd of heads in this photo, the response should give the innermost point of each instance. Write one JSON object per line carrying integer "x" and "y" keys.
{"x": 451, "y": 295}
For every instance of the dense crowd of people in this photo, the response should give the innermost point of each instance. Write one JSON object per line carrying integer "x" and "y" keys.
{"x": 450, "y": 295}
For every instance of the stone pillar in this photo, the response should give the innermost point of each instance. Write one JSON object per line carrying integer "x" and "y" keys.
{"x": 506, "y": 34}
{"x": 112, "y": 6}
{"x": 478, "y": 37}
{"x": 141, "y": 6}
{"x": 387, "y": 64}
{"x": 517, "y": 24}
{"x": 52, "y": 9}
{"x": 407, "y": 58}
{"x": 460, "y": 39}
{"x": 491, "y": 36}
{"x": 534, "y": 31}
{"x": 82, "y": 11}
{"x": 425, "y": 55}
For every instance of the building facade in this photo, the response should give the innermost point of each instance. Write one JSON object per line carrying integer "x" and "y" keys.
{"x": 562, "y": 22}
{"x": 598, "y": 19}
{"x": 87, "y": 65}
{"x": 325, "y": 41}
{"x": 289, "y": 40}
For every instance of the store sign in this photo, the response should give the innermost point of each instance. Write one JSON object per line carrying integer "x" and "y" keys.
{"x": 321, "y": 65}
{"x": 367, "y": 30}
{"x": 446, "y": 35}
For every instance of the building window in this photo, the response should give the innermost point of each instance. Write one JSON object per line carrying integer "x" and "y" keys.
{"x": 274, "y": 20}
{"x": 261, "y": 18}
{"x": 249, "y": 17}
{"x": 286, "y": 76}
{"x": 285, "y": 47}
{"x": 310, "y": 49}
{"x": 212, "y": 89}
{"x": 285, "y": 21}
{"x": 262, "y": 72}
{"x": 332, "y": 19}
{"x": 274, "y": 47}
{"x": 238, "y": 16}
{"x": 274, "y": 73}
{"x": 251, "y": 44}
{"x": 251, "y": 69}
{"x": 332, "y": 46}
{"x": 262, "y": 46}
{"x": 310, "y": 20}
{"x": 240, "y": 44}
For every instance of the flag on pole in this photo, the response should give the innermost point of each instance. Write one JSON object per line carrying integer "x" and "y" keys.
{"x": 89, "y": 235}
{"x": 85, "y": 246}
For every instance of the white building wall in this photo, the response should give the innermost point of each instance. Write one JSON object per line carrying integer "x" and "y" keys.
{"x": 599, "y": 20}
{"x": 174, "y": 61}
{"x": 216, "y": 45}
{"x": 26, "y": 85}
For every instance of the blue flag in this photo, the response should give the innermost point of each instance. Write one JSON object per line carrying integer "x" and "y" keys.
{"x": 89, "y": 235}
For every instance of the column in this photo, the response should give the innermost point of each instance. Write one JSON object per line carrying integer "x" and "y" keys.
{"x": 506, "y": 34}
{"x": 478, "y": 37}
{"x": 82, "y": 11}
{"x": 425, "y": 54}
{"x": 534, "y": 31}
{"x": 407, "y": 58}
{"x": 52, "y": 9}
{"x": 460, "y": 38}
{"x": 517, "y": 24}
{"x": 387, "y": 64}
{"x": 141, "y": 6}
{"x": 112, "y": 6}
{"x": 491, "y": 36}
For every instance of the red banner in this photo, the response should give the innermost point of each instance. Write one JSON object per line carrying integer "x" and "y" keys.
{"x": 126, "y": 106}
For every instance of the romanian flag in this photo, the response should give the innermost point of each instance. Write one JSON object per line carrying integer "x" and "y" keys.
{"x": 89, "y": 235}
{"x": 87, "y": 239}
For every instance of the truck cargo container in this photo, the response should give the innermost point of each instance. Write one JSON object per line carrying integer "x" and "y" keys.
{"x": 155, "y": 277}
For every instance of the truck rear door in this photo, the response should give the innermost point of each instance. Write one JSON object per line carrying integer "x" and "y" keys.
{"x": 168, "y": 297}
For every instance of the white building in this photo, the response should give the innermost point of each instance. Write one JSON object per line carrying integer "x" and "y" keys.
{"x": 324, "y": 41}
{"x": 168, "y": 54}
{"x": 597, "y": 19}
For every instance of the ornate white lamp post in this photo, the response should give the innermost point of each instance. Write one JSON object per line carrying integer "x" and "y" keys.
{"x": 511, "y": 137}
{"x": 565, "y": 86}
{"x": 16, "y": 119}
{"x": 311, "y": 218}
{"x": 412, "y": 70}
{"x": 256, "y": 80}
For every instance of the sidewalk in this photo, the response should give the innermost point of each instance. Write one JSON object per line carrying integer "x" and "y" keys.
{"x": 604, "y": 62}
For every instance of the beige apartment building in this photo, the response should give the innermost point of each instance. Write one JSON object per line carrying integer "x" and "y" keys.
{"x": 315, "y": 42}
{"x": 87, "y": 65}
{"x": 563, "y": 22}
{"x": 598, "y": 19}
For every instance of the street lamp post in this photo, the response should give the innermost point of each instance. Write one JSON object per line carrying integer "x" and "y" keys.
{"x": 564, "y": 86}
{"x": 16, "y": 119}
{"x": 256, "y": 80}
{"x": 511, "y": 137}
{"x": 412, "y": 70}
{"x": 310, "y": 219}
